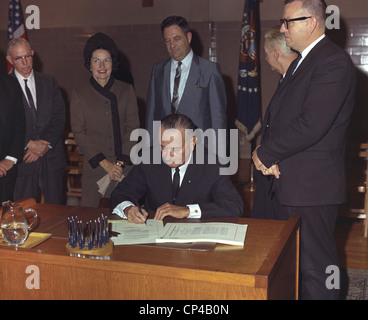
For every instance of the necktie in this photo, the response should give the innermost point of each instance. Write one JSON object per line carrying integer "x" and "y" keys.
{"x": 176, "y": 183}
{"x": 175, "y": 98}
{"x": 295, "y": 63}
{"x": 30, "y": 100}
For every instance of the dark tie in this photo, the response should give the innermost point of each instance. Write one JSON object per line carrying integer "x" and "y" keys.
{"x": 176, "y": 184}
{"x": 295, "y": 63}
{"x": 175, "y": 98}
{"x": 30, "y": 100}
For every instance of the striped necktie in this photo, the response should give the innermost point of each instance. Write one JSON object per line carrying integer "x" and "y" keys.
{"x": 175, "y": 98}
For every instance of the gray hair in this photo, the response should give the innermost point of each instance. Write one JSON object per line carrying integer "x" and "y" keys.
{"x": 16, "y": 42}
{"x": 275, "y": 39}
{"x": 316, "y": 8}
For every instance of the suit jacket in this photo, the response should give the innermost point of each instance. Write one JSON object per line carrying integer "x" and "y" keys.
{"x": 49, "y": 125}
{"x": 203, "y": 100}
{"x": 12, "y": 130}
{"x": 202, "y": 184}
{"x": 306, "y": 128}
{"x": 91, "y": 122}
{"x": 47, "y": 172}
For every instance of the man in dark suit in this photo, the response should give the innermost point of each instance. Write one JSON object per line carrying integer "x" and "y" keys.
{"x": 195, "y": 89}
{"x": 44, "y": 159}
{"x": 303, "y": 144}
{"x": 184, "y": 186}
{"x": 12, "y": 133}
{"x": 279, "y": 56}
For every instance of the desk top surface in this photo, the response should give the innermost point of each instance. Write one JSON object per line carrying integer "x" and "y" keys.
{"x": 264, "y": 242}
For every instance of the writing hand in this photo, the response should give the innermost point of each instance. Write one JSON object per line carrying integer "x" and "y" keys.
{"x": 134, "y": 216}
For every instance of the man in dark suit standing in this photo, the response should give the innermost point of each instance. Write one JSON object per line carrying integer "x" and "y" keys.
{"x": 303, "y": 144}
{"x": 184, "y": 185}
{"x": 279, "y": 56}
{"x": 186, "y": 83}
{"x": 12, "y": 133}
{"x": 44, "y": 159}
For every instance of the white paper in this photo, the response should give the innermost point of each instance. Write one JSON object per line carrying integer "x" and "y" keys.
{"x": 227, "y": 233}
{"x": 104, "y": 183}
{"x": 132, "y": 233}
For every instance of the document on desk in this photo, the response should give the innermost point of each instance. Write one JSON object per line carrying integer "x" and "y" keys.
{"x": 219, "y": 232}
{"x": 131, "y": 233}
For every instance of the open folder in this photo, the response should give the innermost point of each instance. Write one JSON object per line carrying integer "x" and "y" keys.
{"x": 155, "y": 232}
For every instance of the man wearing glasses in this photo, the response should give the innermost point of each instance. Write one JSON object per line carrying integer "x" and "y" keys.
{"x": 43, "y": 160}
{"x": 303, "y": 146}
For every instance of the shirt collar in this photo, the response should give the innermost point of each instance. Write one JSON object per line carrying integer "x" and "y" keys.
{"x": 186, "y": 61}
{"x": 184, "y": 167}
{"x": 311, "y": 46}
{"x": 21, "y": 78}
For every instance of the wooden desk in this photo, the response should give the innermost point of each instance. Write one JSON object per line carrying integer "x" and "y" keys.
{"x": 265, "y": 268}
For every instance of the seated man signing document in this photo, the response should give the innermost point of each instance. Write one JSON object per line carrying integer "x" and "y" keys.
{"x": 182, "y": 185}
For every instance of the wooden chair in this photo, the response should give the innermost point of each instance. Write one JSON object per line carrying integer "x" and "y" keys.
{"x": 27, "y": 203}
{"x": 73, "y": 167}
{"x": 364, "y": 189}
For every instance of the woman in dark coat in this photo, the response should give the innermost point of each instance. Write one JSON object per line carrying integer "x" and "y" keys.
{"x": 103, "y": 113}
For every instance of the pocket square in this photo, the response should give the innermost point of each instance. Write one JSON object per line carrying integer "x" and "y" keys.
{"x": 197, "y": 85}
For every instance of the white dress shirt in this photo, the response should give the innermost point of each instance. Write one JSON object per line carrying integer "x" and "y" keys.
{"x": 31, "y": 84}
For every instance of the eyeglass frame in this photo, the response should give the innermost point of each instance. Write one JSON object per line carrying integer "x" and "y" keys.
{"x": 286, "y": 21}
{"x": 29, "y": 55}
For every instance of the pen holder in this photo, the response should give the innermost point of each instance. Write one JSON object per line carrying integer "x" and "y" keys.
{"x": 105, "y": 250}
{"x": 91, "y": 239}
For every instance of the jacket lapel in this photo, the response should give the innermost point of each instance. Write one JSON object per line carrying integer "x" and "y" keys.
{"x": 189, "y": 181}
{"x": 304, "y": 65}
{"x": 166, "y": 87}
{"x": 39, "y": 91}
{"x": 193, "y": 80}
{"x": 302, "y": 69}
{"x": 24, "y": 97}
{"x": 273, "y": 105}
{"x": 163, "y": 181}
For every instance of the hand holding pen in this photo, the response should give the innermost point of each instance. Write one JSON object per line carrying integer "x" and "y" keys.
{"x": 136, "y": 214}
{"x": 140, "y": 211}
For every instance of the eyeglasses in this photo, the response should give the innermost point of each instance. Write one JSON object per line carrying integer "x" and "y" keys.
{"x": 286, "y": 21}
{"x": 26, "y": 57}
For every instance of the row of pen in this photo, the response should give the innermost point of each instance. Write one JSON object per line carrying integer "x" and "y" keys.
{"x": 92, "y": 235}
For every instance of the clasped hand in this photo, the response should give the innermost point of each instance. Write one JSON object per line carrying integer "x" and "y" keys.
{"x": 36, "y": 149}
{"x": 167, "y": 209}
{"x": 114, "y": 170}
{"x": 273, "y": 170}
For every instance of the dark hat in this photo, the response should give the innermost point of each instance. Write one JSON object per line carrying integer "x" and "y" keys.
{"x": 100, "y": 41}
